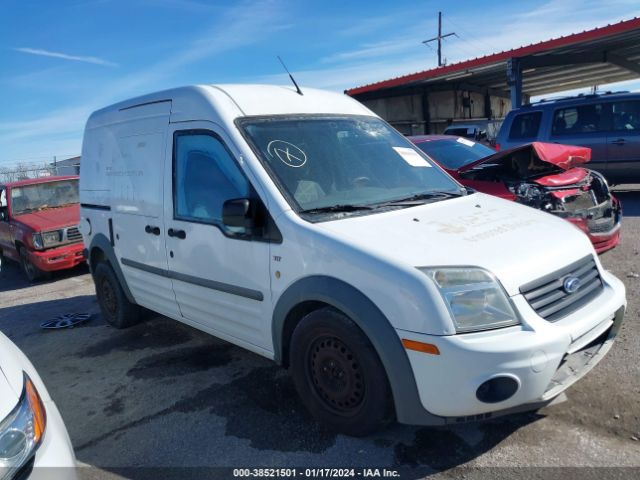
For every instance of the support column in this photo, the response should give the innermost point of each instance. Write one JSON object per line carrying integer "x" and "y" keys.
{"x": 514, "y": 80}
{"x": 425, "y": 112}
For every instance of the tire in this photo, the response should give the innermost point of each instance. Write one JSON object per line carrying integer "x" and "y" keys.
{"x": 338, "y": 374}
{"x": 32, "y": 272}
{"x": 116, "y": 308}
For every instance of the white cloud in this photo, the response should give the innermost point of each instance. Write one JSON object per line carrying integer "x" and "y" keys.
{"x": 240, "y": 26}
{"x": 65, "y": 56}
{"x": 372, "y": 50}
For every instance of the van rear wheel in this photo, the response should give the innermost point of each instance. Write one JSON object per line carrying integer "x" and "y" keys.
{"x": 116, "y": 308}
{"x": 338, "y": 374}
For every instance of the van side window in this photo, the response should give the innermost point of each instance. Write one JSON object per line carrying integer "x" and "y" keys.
{"x": 580, "y": 119}
{"x": 525, "y": 125}
{"x": 205, "y": 176}
{"x": 626, "y": 116}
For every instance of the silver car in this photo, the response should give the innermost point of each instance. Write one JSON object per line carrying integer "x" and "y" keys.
{"x": 33, "y": 438}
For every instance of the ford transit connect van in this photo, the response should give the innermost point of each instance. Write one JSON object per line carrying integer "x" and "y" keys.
{"x": 303, "y": 228}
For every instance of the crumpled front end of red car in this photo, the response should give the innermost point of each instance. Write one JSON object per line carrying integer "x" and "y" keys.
{"x": 545, "y": 176}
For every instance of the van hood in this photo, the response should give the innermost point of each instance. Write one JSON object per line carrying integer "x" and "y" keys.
{"x": 516, "y": 243}
{"x": 51, "y": 218}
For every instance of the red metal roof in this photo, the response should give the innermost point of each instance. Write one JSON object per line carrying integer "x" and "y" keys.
{"x": 535, "y": 48}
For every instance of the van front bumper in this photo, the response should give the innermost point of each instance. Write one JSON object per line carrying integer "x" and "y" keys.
{"x": 60, "y": 258}
{"x": 538, "y": 359}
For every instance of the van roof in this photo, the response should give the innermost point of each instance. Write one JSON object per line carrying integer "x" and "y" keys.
{"x": 231, "y": 101}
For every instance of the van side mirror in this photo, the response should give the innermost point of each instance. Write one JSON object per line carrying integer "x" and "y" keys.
{"x": 238, "y": 213}
{"x": 4, "y": 214}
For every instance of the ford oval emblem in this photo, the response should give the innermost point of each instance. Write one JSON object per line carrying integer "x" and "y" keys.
{"x": 571, "y": 284}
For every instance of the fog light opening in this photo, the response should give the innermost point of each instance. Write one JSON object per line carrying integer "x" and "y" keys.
{"x": 497, "y": 389}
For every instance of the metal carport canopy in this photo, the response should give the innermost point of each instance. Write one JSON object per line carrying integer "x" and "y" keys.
{"x": 593, "y": 57}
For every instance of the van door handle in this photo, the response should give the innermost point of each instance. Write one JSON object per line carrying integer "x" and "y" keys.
{"x": 619, "y": 141}
{"x": 153, "y": 230}
{"x": 181, "y": 234}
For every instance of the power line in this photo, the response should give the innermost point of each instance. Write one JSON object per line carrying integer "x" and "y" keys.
{"x": 439, "y": 38}
{"x": 467, "y": 34}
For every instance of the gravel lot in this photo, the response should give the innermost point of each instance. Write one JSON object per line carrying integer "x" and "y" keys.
{"x": 164, "y": 394}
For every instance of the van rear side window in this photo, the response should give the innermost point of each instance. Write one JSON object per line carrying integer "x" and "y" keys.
{"x": 581, "y": 119}
{"x": 626, "y": 116}
{"x": 525, "y": 125}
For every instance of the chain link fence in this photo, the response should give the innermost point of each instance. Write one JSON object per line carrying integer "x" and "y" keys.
{"x": 23, "y": 171}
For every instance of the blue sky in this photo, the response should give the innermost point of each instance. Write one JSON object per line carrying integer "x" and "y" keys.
{"x": 60, "y": 60}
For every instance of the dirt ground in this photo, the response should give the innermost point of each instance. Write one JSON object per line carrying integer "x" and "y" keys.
{"x": 162, "y": 394}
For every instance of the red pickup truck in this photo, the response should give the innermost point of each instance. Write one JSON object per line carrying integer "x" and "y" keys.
{"x": 39, "y": 225}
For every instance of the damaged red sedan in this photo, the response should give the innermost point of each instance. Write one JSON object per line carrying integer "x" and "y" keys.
{"x": 546, "y": 176}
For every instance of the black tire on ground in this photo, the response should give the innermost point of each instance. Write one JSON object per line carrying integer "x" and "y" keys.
{"x": 32, "y": 272}
{"x": 338, "y": 374}
{"x": 116, "y": 308}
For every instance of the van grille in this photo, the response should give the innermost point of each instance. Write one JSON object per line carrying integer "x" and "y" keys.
{"x": 73, "y": 234}
{"x": 548, "y": 297}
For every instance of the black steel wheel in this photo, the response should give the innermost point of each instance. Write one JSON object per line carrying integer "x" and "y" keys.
{"x": 338, "y": 374}
{"x": 116, "y": 308}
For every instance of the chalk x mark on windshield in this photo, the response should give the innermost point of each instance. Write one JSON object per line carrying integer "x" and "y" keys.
{"x": 288, "y": 153}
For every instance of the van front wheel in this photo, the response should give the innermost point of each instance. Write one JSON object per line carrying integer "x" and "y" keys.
{"x": 116, "y": 308}
{"x": 338, "y": 374}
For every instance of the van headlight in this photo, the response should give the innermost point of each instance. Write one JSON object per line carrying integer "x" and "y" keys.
{"x": 21, "y": 432}
{"x": 475, "y": 299}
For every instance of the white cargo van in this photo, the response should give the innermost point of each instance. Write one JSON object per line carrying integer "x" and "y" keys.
{"x": 305, "y": 229}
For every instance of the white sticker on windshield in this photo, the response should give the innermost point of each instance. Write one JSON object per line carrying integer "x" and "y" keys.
{"x": 466, "y": 142}
{"x": 412, "y": 157}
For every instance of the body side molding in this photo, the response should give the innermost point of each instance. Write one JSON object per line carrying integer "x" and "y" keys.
{"x": 202, "y": 282}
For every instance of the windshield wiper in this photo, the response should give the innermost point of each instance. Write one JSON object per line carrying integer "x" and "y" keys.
{"x": 347, "y": 207}
{"x": 25, "y": 210}
{"x": 419, "y": 198}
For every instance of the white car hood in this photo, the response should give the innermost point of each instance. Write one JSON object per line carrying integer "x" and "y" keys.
{"x": 516, "y": 243}
{"x": 12, "y": 366}
{"x": 8, "y": 397}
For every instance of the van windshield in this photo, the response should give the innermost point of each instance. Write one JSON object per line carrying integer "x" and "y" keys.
{"x": 345, "y": 163}
{"x": 29, "y": 198}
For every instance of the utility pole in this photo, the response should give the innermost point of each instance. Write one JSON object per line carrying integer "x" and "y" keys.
{"x": 439, "y": 38}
